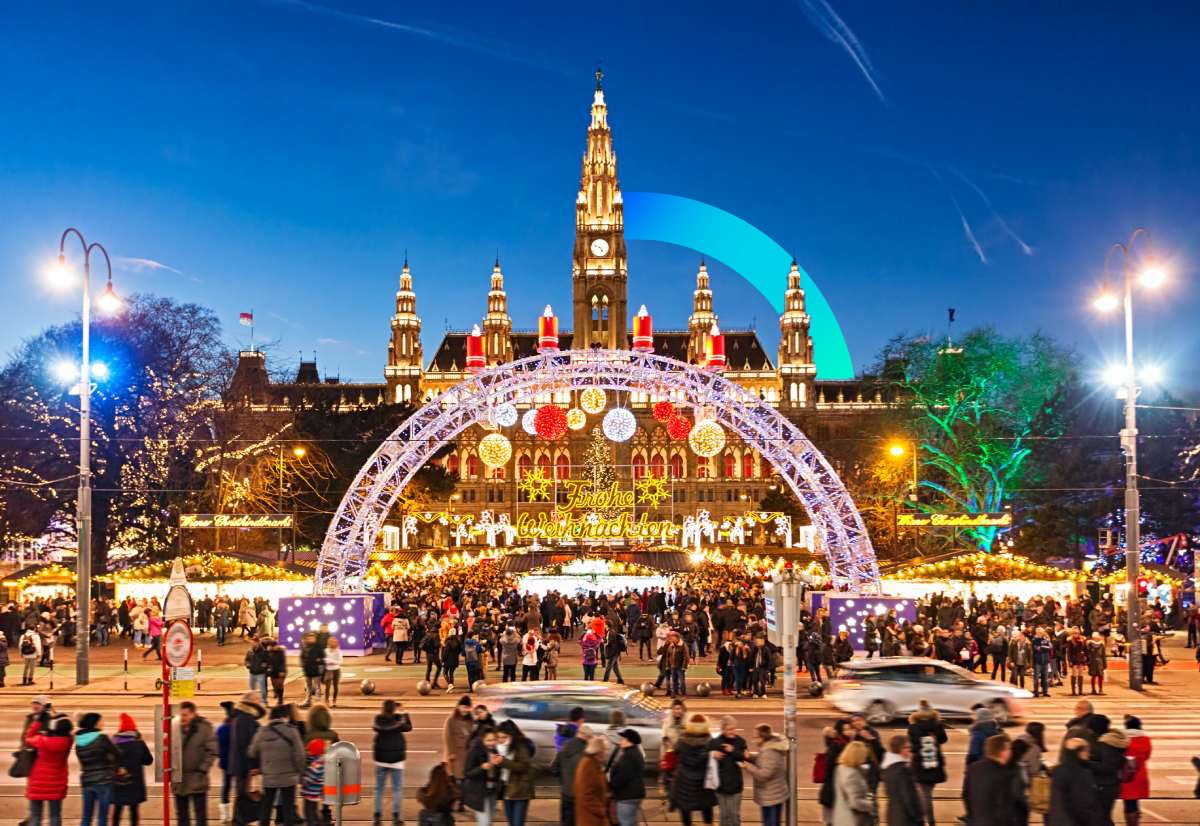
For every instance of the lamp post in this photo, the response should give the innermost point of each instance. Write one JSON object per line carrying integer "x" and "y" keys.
{"x": 897, "y": 450}
{"x": 1151, "y": 275}
{"x": 83, "y": 565}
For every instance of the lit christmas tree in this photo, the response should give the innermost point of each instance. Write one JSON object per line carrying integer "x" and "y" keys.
{"x": 597, "y": 461}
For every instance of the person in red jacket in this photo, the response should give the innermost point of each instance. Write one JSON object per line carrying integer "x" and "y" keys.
{"x": 1139, "y": 787}
{"x": 47, "y": 781}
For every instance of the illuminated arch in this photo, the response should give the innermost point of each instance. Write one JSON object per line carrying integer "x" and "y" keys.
{"x": 352, "y": 533}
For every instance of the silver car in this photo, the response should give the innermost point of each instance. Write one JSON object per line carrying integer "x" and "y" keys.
{"x": 887, "y": 689}
{"x": 538, "y": 708}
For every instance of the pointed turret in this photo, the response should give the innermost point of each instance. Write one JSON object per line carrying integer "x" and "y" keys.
{"x": 702, "y": 319}
{"x": 796, "y": 367}
{"x": 403, "y": 371}
{"x": 497, "y": 325}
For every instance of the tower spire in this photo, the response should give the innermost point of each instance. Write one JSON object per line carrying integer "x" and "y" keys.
{"x": 599, "y": 79}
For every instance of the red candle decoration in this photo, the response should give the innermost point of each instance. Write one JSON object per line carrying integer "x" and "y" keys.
{"x": 679, "y": 427}
{"x": 643, "y": 332}
{"x": 547, "y": 332}
{"x": 663, "y": 411}
{"x": 475, "y": 360}
{"x": 716, "y": 348}
{"x": 550, "y": 422}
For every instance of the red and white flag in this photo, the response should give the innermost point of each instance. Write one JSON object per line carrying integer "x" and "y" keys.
{"x": 246, "y": 319}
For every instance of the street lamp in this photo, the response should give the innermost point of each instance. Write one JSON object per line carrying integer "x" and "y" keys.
{"x": 108, "y": 302}
{"x": 1150, "y": 275}
{"x": 898, "y": 450}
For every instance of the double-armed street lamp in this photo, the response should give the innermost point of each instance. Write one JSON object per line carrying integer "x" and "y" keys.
{"x": 84, "y": 373}
{"x": 1148, "y": 274}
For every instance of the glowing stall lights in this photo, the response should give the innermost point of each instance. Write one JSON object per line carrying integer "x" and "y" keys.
{"x": 506, "y": 415}
{"x": 707, "y": 439}
{"x": 592, "y": 400}
{"x": 495, "y": 450}
{"x": 576, "y": 419}
{"x": 475, "y": 361}
{"x": 663, "y": 411}
{"x": 679, "y": 427}
{"x": 547, "y": 332}
{"x": 550, "y": 422}
{"x": 619, "y": 425}
{"x": 643, "y": 332}
{"x": 528, "y": 422}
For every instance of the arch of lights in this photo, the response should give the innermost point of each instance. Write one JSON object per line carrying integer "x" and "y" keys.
{"x": 352, "y": 533}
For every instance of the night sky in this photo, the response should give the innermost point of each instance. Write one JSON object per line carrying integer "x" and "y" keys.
{"x": 281, "y": 156}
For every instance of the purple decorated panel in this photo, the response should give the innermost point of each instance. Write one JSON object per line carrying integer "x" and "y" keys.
{"x": 351, "y": 618}
{"x": 847, "y": 612}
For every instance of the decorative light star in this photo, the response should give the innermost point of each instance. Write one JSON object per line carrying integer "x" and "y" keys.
{"x": 651, "y": 490}
{"x": 535, "y": 485}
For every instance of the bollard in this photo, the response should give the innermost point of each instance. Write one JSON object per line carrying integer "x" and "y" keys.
{"x": 127, "y": 669}
{"x": 51, "y": 673}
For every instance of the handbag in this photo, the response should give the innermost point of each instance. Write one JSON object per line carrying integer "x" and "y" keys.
{"x": 712, "y": 775}
{"x": 668, "y": 761}
{"x": 819, "y": 767}
{"x": 1039, "y": 793}
{"x": 22, "y": 762}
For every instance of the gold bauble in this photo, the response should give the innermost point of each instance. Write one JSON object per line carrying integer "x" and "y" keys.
{"x": 707, "y": 439}
{"x": 592, "y": 400}
{"x": 495, "y": 450}
{"x": 576, "y": 418}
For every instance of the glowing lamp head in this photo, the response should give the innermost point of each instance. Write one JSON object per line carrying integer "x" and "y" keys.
{"x": 109, "y": 302}
{"x": 1106, "y": 301}
{"x": 897, "y": 450}
{"x": 99, "y": 370}
{"x": 1115, "y": 375}
{"x": 1153, "y": 273}
{"x": 298, "y": 451}
{"x": 57, "y": 274}
{"x": 65, "y": 371}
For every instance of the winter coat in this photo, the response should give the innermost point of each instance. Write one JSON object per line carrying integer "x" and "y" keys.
{"x": 1074, "y": 799}
{"x": 980, "y": 732}
{"x": 312, "y": 659}
{"x": 988, "y": 792}
{"x": 200, "y": 750}
{"x": 1097, "y": 659}
{"x": 687, "y": 785}
{"x": 132, "y": 756}
{"x": 590, "y": 647}
{"x": 769, "y": 770}
{"x": 1139, "y": 749}
{"x": 833, "y": 750}
{"x": 97, "y": 757}
{"x": 48, "y": 778}
{"x": 1108, "y": 758}
{"x": 456, "y": 736}
{"x": 518, "y": 762}
{"x": 927, "y": 735}
{"x": 280, "y": 754}
{"x": 591, "y": 793}
{"x": 853, "y": 803}
{"x": 243, "y": 726}
{"x": 320, "y": 726}
{"x": 626, "y": 774}
{"x": 904, "y": 807}
{"x": 728, "y": 773}
{"x": 566, "y": 763}
{"x": 390, "y": 744}
{"x": 510, "y": 649}
{"x": 480, "y": 779}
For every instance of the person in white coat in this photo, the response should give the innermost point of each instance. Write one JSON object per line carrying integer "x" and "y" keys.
{"x": 853, "y": 802}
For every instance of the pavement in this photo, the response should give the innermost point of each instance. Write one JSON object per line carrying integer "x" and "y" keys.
{"x": 1170, "y": 713}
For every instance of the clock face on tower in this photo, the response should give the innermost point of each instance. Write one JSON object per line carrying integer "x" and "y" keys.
{"x": 599, "y": 248}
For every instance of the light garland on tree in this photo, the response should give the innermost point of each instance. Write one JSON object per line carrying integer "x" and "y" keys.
{"x": 592, "y": 400}
{"x": 707, "y": 439}
{"x": 550, "y": 422}
{"x": 506, "y": 414}
{"x": 678, "y": 427}
{"x": 663, "y": 411}
{"x": 576, "y": 419}
{"x": 619, "y": 424}
{"x": 527, "y": 422}
{"x": 495, "y": 450}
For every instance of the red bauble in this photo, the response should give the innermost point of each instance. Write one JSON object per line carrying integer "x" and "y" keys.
{"x": 550, "y": 422}
{"x": 663, "y": 411}
{"x": 679, "y": 427}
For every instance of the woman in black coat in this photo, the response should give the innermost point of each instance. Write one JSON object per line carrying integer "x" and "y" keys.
{"x": 926, "y": 736}
{"x": 687, "y": 785}
{"x": 129, "y": 787}
{"x": 481, "y": 786}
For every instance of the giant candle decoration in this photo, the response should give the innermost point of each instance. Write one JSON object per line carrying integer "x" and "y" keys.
{"x": 716, "y": 348}
{"x": 548, "y": 332}
{"x": 643, "y": 332}
{"x": 475, "y": 350}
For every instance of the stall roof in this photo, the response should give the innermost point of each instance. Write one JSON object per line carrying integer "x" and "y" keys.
{"x": 980, "y": 565}
{"x": 43, "y": 573}
{"x": 669, "y": 562}
{"x": 210, "y": 566}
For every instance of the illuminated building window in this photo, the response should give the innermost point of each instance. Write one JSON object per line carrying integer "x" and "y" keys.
{"x": 676, "y": 466}
{"x": 748, "y": 465}
{"x": 473, "y": 466}
{"x": 730, "y": 466}
{"x": 524, "y": 464}
{"x": 563, "y": 467}
{"x": 658, "y": 465}
{"x": 639, "y": 466}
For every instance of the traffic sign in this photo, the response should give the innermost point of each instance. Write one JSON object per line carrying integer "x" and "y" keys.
{"x": 177, "y": 644}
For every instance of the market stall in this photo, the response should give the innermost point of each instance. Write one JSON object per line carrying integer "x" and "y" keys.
{"x": 984, "y": 575}
{"x": 45, "y": 580}
{"x": 211, "y": 574}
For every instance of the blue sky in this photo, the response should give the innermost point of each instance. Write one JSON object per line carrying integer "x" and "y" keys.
{"x": 281, "y": 156}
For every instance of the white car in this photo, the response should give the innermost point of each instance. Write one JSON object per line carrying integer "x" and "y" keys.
{"x": 891, "y": 688}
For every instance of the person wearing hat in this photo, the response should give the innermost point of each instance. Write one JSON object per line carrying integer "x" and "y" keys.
{"x": 243, "y": 727}
{"x": 689, "y": 791}
{"x": 97, "y": 758}
{"x": 281, "y": 757}
{"x": 129, "y": 788}
{"x": 198, "y": 749}
{"x": 456, "y": 736}
{"x": 46, "y": 785}
{"x": 626, "y": 777}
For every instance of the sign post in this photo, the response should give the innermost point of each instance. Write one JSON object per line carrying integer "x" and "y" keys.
{"x": 177, "y": 680}
{"x": 783, "y": 596}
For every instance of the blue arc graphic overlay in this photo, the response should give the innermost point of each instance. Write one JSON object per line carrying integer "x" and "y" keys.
{"x": 750, "y": 252}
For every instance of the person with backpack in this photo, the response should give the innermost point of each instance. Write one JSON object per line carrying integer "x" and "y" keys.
{"x": 30, "y": 647}
{"x": 97, "y": 758}
{"x": 282, "y": 760}
{"x": 389, "y": 752}
{"x": 437, "y": 798}
{"x": 614, "y": 647}
{"x": 257, "y": 667}
{"x": 129, "y": 788}
{"x": 472, "y": 653}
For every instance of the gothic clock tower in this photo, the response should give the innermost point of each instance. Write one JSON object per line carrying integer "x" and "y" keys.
{"x": 600, "y": 271}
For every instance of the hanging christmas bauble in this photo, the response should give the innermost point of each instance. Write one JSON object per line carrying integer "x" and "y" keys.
{"x": 707, "y": 439}
{"x": 505, "y": 415}
{"x": 592, "y": 400}
{"x": 527, "y": 422}
{"x": 495, "y": 450}
{"x": 550, "y": 422}
{"x": 576, "y": 419}
{"x": 619, "y": 424}
{"x": 678, "y": 427}
{"x": 664, "y": 410}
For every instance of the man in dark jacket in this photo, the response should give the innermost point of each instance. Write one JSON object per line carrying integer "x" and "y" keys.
{"x": 926, "y": 736}
{"x": 189, "y": 782}
{"x": 989, "y": 786}
{"x": 1107, "y": 760}
{"x": 729, "y": 749}
{"x": 389, "y": 752}
{"x": 904, "y": 804}
{"x": 97, "y": 758}
{"x": 281, "y": 756}
{"x": 564, "y": 766}
{"x": 312, "y": 660}
{"x": 1074, "y": 799}
{"x": 243, "y": 725}
{"x": 626, "y": 776}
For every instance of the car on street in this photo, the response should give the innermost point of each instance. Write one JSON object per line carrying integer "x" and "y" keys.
{"x": 888, "y": 689}
{"x": 538, "y": 708}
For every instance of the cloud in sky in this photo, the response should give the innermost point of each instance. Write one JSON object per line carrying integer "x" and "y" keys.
{"x": 143, "y": 265}
{"x": 330, "y": 342}
{"x": 830, "y": 24}
{"x": 1025, "y": 248}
